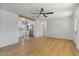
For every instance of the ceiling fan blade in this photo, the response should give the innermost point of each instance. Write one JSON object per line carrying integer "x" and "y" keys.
{"x": 44, "y": 15}
{"x": 35, "y": 13}
{"x": 39, "y": 15}
{"x": 49, "y": 13}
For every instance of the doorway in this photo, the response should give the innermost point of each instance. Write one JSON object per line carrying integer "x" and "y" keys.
{"x": 44, "y": 28}
{"x": 31, "y": 30}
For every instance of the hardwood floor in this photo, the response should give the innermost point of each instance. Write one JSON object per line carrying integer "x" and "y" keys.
{"x": 42, "y": 46}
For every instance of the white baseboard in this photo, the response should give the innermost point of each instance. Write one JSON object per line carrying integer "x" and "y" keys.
{"x": 6, "y": 44}
{"x": 60, "y": 38}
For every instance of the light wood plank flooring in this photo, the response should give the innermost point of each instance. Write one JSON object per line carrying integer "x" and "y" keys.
{"x": 42, "y": 46}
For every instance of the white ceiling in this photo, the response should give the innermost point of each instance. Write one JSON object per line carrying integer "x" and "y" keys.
{"x": 59, "y": 9}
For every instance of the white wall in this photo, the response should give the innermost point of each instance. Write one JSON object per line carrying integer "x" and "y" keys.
{"x": 8, "y": 28}
{"x": 76, "y": 17}
{"x": 60, "y": 27}
{"x": 38, "y": 30}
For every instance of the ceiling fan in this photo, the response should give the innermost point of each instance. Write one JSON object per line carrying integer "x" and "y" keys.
{"x": 42, "y": 13}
